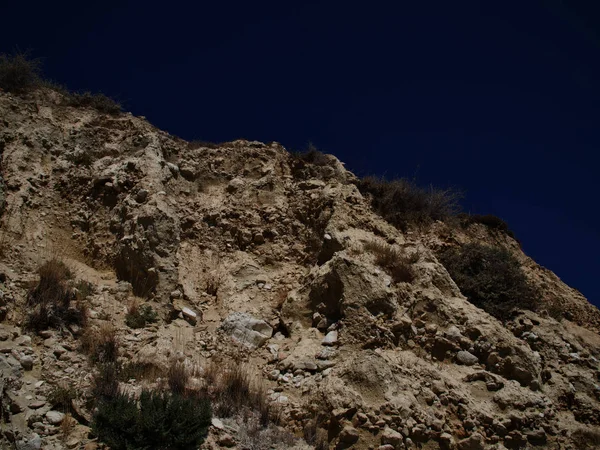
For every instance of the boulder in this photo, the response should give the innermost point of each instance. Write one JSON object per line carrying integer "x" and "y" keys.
{"x": 247, "y": 330}
{"x": 466, "y": 358}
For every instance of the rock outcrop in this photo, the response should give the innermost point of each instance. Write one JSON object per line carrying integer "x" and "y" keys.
{"x": 252, "y": 254}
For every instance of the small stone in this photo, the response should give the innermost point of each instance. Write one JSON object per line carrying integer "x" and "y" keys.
{"x": 349, "y": 435}
{"x": 54, "y": 417}
{"x": 217, "y": 423}
{"x": 37, "y": 404}
{"x": 226, "y": 440}
{"x": 474, "y": 442}
{"x": 466, "y": 358}
{"x": 141, "y": 196}
{"x": 330, "y": 338}
{"x": 391, "y": 437}
{"x": 176, "y": 294}
{"x": 189, "y": 315}
{"x": 26, "y": 362}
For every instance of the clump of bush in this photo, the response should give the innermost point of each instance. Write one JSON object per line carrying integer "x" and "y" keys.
{"x": 98, "y": 101}
{"x": 232, "y": 389}
{"x": 52, "y": 301}
{"x": 101, "y": 344}
{"x": 19, "y": 73}
{"x": 490, "y": 277}
{"x": 489, "y": 220}
{"x": 61, "y": 396}
{"x": 402, "y": 203}
{"x": 311, "y": 163}
{"x": 160, "y": 420}
{"x": 398, "y": 265}
{"x": 139, "y": 316}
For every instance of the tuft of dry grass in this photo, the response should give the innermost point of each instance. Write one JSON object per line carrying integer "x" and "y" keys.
{"x": 52, "y": 301}
{"x": 398, "y": 265}
{"x": 177, "y": 377}
{"x": 402, "y": 203}
{"x": 232, "y": 389}
{"x": 101, "y": 344}
{"x": 67, "y": 426}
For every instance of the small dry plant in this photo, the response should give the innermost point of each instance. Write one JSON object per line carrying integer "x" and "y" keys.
{"x": 101, "y": 344}
{"x": 233, "y": 388}
{"x": 53, "y": 302}
{"x": 398, "y": 265}
{"x": 177, "y": 377}
{"x": 67, "y": 426}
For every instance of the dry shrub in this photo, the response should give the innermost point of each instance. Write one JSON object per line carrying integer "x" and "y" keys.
{"x": 139, "y": 371}
{"x": 19, "y": 73}
{"x": 213, "y": 283}
{"x": 402, "y": 203}
{"x": 177, "y": 377}
{"x": 61, "y": 396}
{"x": 99, "y": 102}
{"x": 489, "y": 220}
{"x": 53, "y": 302}
{"x": 393, "y": 261}
{"x": 253, "y": 435}
{"x": 198, "y": 143}
{"x": 233, "y": 389}
{"x": 67, "y": 426}
{"x": 101, "y": 344}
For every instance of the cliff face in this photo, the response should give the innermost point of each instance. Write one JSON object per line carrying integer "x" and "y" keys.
{"x": 248, "y": 252}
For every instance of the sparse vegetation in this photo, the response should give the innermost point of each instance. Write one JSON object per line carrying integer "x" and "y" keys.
{"x": 106, "y": 381}
{"x": 402, "y": 203}
{"x": 232, "y": 389}
{"x": 398, "y": 265}
{"x": 491, "y": 278}
{"x": 139, "y": 316}
{"x": 158, "y": 420}
{"x": 177, "y": 377}
{"x": 53, "y": 302}
{"x": 61, "y": 396}
{"x": 99, "y": 101}
{"x": 19, "y": 73}
{"x": 101, "y": 344}
{"x": 139, "y": 370}
{"x": 489, "y": 220}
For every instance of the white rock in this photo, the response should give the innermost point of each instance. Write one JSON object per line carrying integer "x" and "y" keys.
{"x": 247, "y": 330}
{"x": 54, "y": 417}
{"x": 331, "y": 338}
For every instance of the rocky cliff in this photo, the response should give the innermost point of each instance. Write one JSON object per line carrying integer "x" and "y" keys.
{"x": 250, "y": 254}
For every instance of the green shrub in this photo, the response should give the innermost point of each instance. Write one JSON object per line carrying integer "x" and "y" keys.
{"x": 140, "y": 316}
{"x": 491, "y": 278}
{"x": 19, "y": 73}
{"x": 99, "y": 101}
{"x": 105, "y": 384}
{"x": 157, "y": 420}
{"x": 52, "y": 301}
{"x": 402, "y": 203}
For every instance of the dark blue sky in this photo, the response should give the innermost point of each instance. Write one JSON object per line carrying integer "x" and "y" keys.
{"x": 500, "y": 99}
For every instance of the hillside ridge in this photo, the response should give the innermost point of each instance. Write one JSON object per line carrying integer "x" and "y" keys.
{"x": 243, "y": 252}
